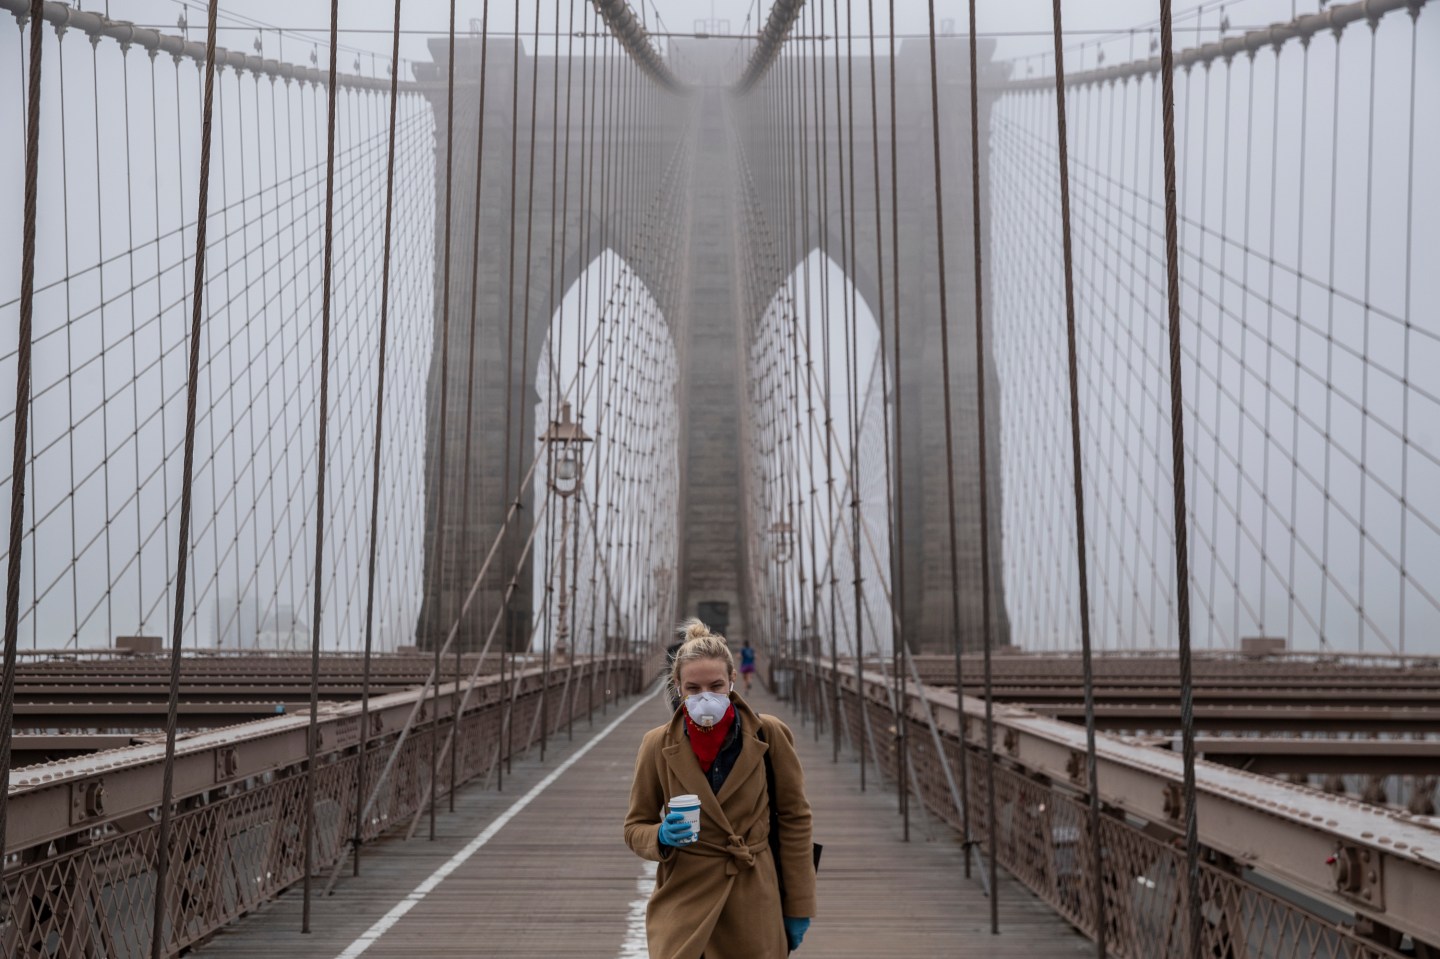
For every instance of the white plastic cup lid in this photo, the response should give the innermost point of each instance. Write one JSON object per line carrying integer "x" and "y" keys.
{"x": 684, "y": 802}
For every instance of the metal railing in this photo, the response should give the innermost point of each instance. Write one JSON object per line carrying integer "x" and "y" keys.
{"x": 1363, "y": 898}
{"x": 79, "y": 878}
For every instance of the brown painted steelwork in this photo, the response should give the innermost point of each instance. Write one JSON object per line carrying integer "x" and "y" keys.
{"x": 1287, "y": 755}
{"x": 1255, "y": 717}
{"x": 82, "y": 830}
{"x": 1281, "y": 862}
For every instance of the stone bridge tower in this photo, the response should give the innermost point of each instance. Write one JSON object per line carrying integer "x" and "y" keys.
{"x": 703, "y": 308}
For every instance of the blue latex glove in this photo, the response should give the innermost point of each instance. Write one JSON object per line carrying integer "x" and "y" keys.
{"x": 795, "y": 929}
{"x": 674, "y": 830}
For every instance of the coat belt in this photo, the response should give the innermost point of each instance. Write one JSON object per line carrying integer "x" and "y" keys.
{"x": 738, "y": 853}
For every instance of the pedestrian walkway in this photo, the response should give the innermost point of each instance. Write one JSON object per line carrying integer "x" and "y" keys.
{"x": 541, "y": 870}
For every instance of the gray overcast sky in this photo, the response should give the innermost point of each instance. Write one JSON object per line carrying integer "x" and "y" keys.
{"x": 367, "y": 24}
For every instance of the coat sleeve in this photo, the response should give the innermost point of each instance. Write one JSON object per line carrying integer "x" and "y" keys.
{"x": 647, "y": 801}
{"x": 793, "y": 819}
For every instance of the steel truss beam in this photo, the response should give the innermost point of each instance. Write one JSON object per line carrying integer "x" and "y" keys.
{"x": 1301, "y": 838}
{"x": 78, "y": 795}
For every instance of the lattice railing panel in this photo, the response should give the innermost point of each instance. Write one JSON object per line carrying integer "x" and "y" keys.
{"x": 236, "y": 847}
{"x": 1043, "y": 840}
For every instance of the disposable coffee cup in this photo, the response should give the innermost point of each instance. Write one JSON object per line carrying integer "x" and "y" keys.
{"x": 689, "y": 807}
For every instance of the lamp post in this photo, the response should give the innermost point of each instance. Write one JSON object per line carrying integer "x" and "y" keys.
{"x": 662, "y": 596}
{"x": 782, "y": 536}
{"x": 782, "y": 533}
{"x": 566, "y": 442}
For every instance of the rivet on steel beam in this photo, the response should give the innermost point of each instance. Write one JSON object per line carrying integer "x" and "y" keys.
{"x": 1173, "y": 804}
{"x": 227, "y": 763}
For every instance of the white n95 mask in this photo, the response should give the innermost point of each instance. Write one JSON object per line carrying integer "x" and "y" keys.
{"x": 706, "y": 709}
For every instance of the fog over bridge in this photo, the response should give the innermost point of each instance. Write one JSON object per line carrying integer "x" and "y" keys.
{"x": 1058, "y": 428}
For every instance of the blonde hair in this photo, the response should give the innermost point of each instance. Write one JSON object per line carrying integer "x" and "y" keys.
{"x": 699, "y": 643}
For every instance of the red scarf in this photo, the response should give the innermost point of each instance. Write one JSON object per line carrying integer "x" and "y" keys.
{"x": 707, "y": 742}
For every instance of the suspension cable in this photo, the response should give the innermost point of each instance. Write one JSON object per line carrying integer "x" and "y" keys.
{"x": 321, "y": 450}
{"x": 1194, "y": 918}
{"x": 361, "y": 760}
{"x": 783, "y": 14}
{"x": 437, "y": 552}
{"x": 987, "y": 636}
{"x": 628, "y": 30}
{"x": 1092, "y": 779}
{"x": 172, "y": 709}
{"x": 22, "y": 408}
{"x": 470, "y": 366}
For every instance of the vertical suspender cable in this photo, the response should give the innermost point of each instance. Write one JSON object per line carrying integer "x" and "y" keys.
{"x": 470, "y": 368}
{"x": 822, "y": 160}
{"x": 1097, "y": 862}
{"x": 167, "y": 789}
{"x": 506, "y": 566}
{"x": 1192, "y": 948}
{"x": 438, "y": 549}
{"x": 897, "y": 619}
{"x": 524, "y": 407}
{"x": 900, "y": 648}
{"x": 586, "y": 163}
{"x": 814, "y": 690}
{"x": 319, "y": 598}
{"x": 853, "y": 348}
{"x": 551, "y": 379}
{"x": 981, "y": 439}
{"x": 359, "y": 836}
{"x": 605, "y": 386}
{"x": 22, "y": 413}
{"x": 1409, "y": 327}
{"x": 589, "y": 83}
{"x": 795, "y": 167}
{"x": 559, "y": 267}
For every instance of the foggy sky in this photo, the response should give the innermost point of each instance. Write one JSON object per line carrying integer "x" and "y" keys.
{"x": 1083, "y": 50}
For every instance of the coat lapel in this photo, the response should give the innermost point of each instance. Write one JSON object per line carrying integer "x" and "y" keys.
{"x": 751, "y": 755}
{"x": 683, "y": 764}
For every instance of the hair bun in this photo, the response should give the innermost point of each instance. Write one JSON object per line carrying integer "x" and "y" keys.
{"x": 694, "y": 629}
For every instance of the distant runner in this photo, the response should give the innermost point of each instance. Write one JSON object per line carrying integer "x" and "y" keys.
{"x": 747, "y": 664}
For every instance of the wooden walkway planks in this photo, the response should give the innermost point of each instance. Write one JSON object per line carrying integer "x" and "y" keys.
{"x": 882, "y": 897}
{"x": 557, "y": 880}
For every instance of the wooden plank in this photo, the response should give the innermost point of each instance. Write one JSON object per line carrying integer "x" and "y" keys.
{"x": 557, "y": 880}
{"x": 881, "y": 896}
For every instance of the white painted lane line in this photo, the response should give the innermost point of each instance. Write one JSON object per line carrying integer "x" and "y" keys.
{"x": 372, "y": 935}
{"x": 636, "y": 944}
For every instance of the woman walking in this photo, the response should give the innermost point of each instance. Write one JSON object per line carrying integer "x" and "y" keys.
{"x": 736, "y": 891}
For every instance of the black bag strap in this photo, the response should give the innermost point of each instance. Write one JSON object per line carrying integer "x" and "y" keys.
{"x": 774, "y": 809}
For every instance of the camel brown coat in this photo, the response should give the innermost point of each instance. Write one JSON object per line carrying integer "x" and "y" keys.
{"x": 720, "y": 896}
